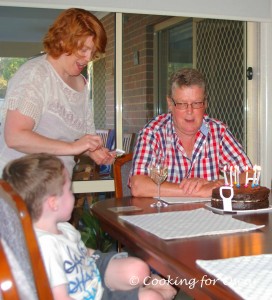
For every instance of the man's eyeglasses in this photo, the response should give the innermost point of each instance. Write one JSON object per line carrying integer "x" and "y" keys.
{"x": 184, "y": 105}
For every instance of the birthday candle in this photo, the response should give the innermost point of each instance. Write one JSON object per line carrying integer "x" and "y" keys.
{"x": 246, "y": 176}
{"x": 237, "y": 176}
{"x": 225, "y": 176}
{"x": 258, "y": 175}
{"x": 254, "y": 175}
{"x": 231, "y": 167}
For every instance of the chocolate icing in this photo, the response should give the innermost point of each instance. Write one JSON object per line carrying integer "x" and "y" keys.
{"x": 245, "y": 198}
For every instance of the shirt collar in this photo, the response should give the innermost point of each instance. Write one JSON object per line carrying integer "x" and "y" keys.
{"x": 204, "y": 129}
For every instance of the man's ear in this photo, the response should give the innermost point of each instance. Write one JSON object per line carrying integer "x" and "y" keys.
{"x": 169, "y": 103}
{"x": 52, "y": 202}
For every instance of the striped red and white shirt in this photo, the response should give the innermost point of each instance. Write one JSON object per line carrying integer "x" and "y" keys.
{"x": 215, "y": 147}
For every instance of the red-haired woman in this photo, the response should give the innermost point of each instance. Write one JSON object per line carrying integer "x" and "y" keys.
{"x": 47, "y": 106}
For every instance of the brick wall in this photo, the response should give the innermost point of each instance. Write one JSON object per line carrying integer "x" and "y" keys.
{"x": 137, "y": 76}
{"x": 109, "y": 24}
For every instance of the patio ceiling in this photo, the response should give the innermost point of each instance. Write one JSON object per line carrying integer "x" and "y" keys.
{"x": 22, "y": 29}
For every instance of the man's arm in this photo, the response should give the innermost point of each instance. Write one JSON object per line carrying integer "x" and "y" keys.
{"x": 143, "y": 186}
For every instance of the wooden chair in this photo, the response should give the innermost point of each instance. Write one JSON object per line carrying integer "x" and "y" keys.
{"x": 105, "y": 171}
{"x": 121, "y": 169}
{"x": 128, "y": 140}
{"x": 17, "y": 231}
{"x": 104, "y": 133}
{"x": 111, "y": 139}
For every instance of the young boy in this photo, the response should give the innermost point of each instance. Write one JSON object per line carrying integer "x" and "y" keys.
{"x": 74, "y": 271}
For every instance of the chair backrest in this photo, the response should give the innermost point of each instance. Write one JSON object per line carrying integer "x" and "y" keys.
{"x": 111, "y": 139}
{"x": 17, "y": 231}
{"x": 128, "y": 139}
{"x": 8, "y": 288}
{"x": 121, "y": 169}
{"x": 104, "y": 135}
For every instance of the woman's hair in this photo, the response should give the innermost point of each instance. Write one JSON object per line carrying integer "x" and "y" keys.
{"x": 186, "y": 77}
{"x": 71, "y": 29}
{"x": 34, "y": 177}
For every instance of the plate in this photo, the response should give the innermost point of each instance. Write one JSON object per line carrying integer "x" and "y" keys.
{"x": 239, "y": 212}
{"x": 179, "y": 200}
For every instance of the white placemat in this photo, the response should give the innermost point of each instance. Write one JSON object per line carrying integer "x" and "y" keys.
{"x": 249, "y": 276}
{"x": 173, "y": 200}
{"x": 183, "y": 224}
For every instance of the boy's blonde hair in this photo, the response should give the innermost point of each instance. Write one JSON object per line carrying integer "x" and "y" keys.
{"x": 34, "y": 177}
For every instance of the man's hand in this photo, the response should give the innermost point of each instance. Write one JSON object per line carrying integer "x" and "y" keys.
{"x": 192, "y": 185}
{"x": 199, "y": 186}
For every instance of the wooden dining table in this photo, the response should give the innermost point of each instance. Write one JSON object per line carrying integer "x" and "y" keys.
{"x": 176, "y": 259}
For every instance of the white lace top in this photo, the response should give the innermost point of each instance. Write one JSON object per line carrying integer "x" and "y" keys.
{"x": 59, "y": 112}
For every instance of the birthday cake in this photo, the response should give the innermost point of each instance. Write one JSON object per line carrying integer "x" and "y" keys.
{"x": 244, "y": 198}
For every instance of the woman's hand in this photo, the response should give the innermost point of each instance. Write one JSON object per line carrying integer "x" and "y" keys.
{"x": 88, "y": 142}
{"x": 102, "y": 156}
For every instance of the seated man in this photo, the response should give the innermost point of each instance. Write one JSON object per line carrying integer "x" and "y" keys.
{"x": 74, "y": 271}
{"x": 196, "y": 148}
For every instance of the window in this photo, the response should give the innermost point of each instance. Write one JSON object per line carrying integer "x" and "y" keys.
{"x": 217, "y": 49}
{"x": 175, "y": 51}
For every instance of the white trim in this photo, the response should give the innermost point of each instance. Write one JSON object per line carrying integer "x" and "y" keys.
{"x": 119, "y": 80}
{"x": 266, "y": 103}
{"x": 252, "y": 110}
{"x": 243, "y": 10}
{"x": 92, "y": 186}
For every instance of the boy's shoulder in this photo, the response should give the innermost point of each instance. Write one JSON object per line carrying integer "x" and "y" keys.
{"x": 65, "y": 229}
{"x": 66, "y": 226}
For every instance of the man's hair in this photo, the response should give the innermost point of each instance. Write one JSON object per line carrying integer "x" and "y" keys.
{"x": 71, "y": 29}
{"x": 34, "y": 177}
{"x": 185, "y": 78}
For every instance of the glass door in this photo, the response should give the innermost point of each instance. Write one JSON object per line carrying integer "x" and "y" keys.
{"x": 175, "y": 51}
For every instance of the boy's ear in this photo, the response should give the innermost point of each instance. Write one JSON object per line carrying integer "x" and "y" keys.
{"x": 52, "y": 203}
